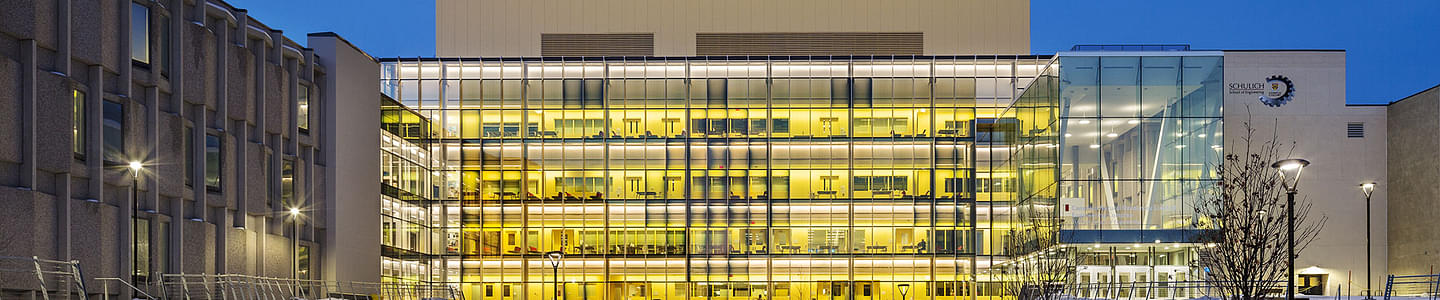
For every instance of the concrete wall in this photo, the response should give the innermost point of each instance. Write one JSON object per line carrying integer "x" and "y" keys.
{"x": 352, "y": 243}
{"x": 512, "y": 28}
{"x": 1316, "y": 121}
{"x": 227, "y": 75}
{"x": 1414, "y": 136}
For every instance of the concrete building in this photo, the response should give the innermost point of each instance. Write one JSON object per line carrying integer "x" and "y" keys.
{"x": 554, "y": 28}
{"x": 858, "y": 150}
{"x": 228, "y": 121}
{"x": 1347, "y": 145}
{"x": 639, "y": 75}
{"x": 705, "y": 170}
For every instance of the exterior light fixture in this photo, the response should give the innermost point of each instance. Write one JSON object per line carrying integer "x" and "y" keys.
{"x": 1368, "y": 189}
{"x": 1290, "y": 180}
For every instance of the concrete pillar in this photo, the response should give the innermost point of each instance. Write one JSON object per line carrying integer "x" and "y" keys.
{"x": 222, "y": 241}
{"x": 62, "y": 32}
{"x": 150, "y": 202}
{"x": 124, "y": 47}
{"x": 177, "y": 57}
{"x": 197, "y": 154}
{"x": 27, "y": 113}
{"x": 62, "y": 215}
{"x": 241, "y": 204}
{"x": 199, "y": 13}
{"x": 93, "y": 136}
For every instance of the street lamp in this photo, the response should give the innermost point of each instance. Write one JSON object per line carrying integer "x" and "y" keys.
{"x": 1368, "y": 188}
{"x": 555, "y": 257}
{"x": 295, "y": 243}
{"x": 135, "y": 167}
{"x": 1290, "y": 180}
{"x": 904, "y": 289}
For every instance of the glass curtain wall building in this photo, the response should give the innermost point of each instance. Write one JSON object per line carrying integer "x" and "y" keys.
{"x": 408, "y": 190}
{"x": 1114, "y": 150}
{"x": 746, "y": 178}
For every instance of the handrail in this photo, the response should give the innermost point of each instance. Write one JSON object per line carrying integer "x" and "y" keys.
{"x": 122, "y": 281}
{"x": 258, "y": 287}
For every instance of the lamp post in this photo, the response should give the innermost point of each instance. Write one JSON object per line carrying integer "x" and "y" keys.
{"x": 555, "y": 257}
{"x": 904, "y": 289}
{"x": 295, "y": 243}
{"x": 135, "y": 167}
{"x": 1368, "y": 188}
{"x": 1290, "y": 180}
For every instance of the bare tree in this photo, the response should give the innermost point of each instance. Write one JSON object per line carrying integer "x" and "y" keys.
{"x": 1040, "y": 263}
{"x": 1244, "y": 216}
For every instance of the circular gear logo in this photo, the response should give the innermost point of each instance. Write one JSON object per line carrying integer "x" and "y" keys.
{"x": 1279, "y": 90}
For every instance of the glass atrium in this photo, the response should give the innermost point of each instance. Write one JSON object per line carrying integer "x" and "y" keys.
{"x": 756, "y": 177}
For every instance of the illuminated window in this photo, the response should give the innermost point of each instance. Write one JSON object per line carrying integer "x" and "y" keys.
{"x": 303, "y": 119}
{"x": 77, "y": 123}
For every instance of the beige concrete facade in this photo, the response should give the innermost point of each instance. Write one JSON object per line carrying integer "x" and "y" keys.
{"x": 1316, "y": 121}
{"x": 1414, "y": 246}
{"x": 212, "y": 70}
{"x": 493, "y": 28}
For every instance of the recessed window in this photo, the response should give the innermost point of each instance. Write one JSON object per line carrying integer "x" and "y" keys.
{"x": 139, "y": 33}
{"x": 141, "y": 272}
{"x": 302, "y": 262}
{"x": 287, "y": 183}
{"x": 77, "y": 123}
{"x": 187, "y": 152}
{"x": 303, "y": 117}
{"x": 213, "y": 162}
{"x": 114, "y": 131}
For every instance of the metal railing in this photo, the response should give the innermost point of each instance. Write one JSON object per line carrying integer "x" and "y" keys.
{"x": 105, "y": 283}
{"x": 43, "y": 276}
{"x": 1427, "y": 286}
{"x": 1173, "y": 290}
{"x": 246, "y": 287}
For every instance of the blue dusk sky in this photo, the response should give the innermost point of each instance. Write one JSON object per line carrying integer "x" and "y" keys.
{"x": 1391, "y": 45}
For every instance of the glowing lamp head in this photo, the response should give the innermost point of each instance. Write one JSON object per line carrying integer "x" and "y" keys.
{"x": 1368, "y": 188}
{"x": 554, "y": 257}
{"x": 294, "y": 211}
{"x": 1290, "y": 172}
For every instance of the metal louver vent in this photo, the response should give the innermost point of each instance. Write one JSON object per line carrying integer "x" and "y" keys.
{"x": 810, "y": 43}
{"x": 1355, "y": 130}
{"x": 597, "y": 44}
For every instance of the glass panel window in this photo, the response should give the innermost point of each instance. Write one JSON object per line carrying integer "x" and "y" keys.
{"x": 142, "y": 250}
{"x": 189, "y": 145}
{"x": 213, "y": 156}
{"x": 139, "y": 33}
{"x": 303, "y": 119}
{"x": 287, "y": 184}
{"x": 77, "y": 123}
{"x": 302, "y": 262}
{"x": 114, "y": 122}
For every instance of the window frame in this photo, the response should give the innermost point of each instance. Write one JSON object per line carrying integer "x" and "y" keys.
{"x": 78, "y": 125}
{"x": 219, "y": 165}
{"x": 302, "y": 111}
{"x": 140, "y": 26}
{"x": 117, "y": 154}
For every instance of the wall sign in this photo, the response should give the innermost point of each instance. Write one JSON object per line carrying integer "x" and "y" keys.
{"x": 1277, "y": 90}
